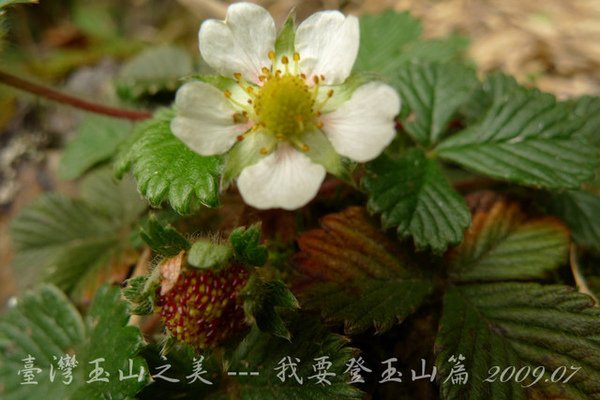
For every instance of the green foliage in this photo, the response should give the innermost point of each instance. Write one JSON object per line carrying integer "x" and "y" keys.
{"x": 164, "y": 240}
{"x": 502, "y": 243}
{"x": 516, "y": 325}
{"x": 431, "y": 95}
{"x": 588, "y": 109}
{"x": 390, "y": 39}
{"x": 44, "y": 324}
{"x": 167, "y": 170}
{"x": 309, "y": 341}
{"x": 181, "y": 358}
{"x": 155, "y": 70}
{"x": 496, "y": 87}
{"x": 263, "y": 301}
{"x": 71, "y": 242}
{"x": 525, "y": 137}
{"x": 357, "y": 275}
{"x": 97, "y": 141}
{"x": 581, "y": 212}
{"x": 245, "y": 242}
{"x": 413, "y": 195}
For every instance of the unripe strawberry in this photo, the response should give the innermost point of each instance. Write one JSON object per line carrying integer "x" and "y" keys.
{"x": 202, "y": 307}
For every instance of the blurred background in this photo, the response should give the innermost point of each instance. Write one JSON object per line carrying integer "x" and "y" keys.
{"x": 79, "y": 46}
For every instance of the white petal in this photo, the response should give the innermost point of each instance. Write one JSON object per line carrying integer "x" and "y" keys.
{"x": 328, "y": 44}
{"x": 364, "y": 125}
{"x": 204, "y": 119}
{"x": 241, "y": 43}
{"x": 284, "y": 179}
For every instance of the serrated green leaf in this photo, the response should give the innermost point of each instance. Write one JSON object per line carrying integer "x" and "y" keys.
{"x": 446, "y": 49}
{"x": 44, "y": 324}
{"x": 588, "y": 109}
{"x": 527, "y": 138}
{"x": 97, "y": 140}
{"x": 503, "y": 244}
{"x": 518, "y": 325}
{"x": 164, "y": 240}
{"x": 390, "y": 39}
{"x": 167, "y": 170}
{"x": 382, "y": 39}
{"x": 263, "y": 301}
{"x": 72, "y": 242}
{"x": 261, "y": 352}
{"x": 413, "y": 195}
{"x": 433, "y": 93}
{"x": 496, "y": 87}
{"x": 355, "y": 274}
{"x": 580, "y": 210}
{"x": 245, "y": 242}
{"x": 154, "y": 70}
{"x": 205, "y": 254}
{"x": 118, "y": 201}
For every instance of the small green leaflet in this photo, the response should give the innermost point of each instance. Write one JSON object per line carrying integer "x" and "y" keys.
{"x": 263, "y": 353}
{"x": 167, "y": 170}
{"x": 515, "y": 325}
{"x": 525, "y": 137}
{"x": 153, "y": 71}
{"x": 581, "y": 212}
{"x": 433, "y": 92}
{"x": 70, "y": 242}
{"x": 44, "y": 324}
{"x": 412, "y": 194}
{"x": 502, "y": 244}
{"x": 353, "y": 273}
{"x": 97, "y": 140}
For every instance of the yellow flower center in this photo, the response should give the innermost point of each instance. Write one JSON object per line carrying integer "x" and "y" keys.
{"x": 285, "y": 105}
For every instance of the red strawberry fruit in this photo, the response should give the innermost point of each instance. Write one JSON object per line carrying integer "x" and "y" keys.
{"x": 202, "y": 307}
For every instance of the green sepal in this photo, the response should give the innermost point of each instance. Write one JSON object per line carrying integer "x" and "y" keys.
{"x": 244, "y": 154}
{"x": 284, "y": 44}
{"x": 263, "y": 302}
{"x": 245, "y": 242}
{"x": 205, "y": 254}
{"x": 321, "y": 151}
{"x": 140, "y": 292}
{"x": 164, "y": 240}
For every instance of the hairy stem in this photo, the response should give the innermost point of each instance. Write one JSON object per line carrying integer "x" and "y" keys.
{"x": 52, "y": 94}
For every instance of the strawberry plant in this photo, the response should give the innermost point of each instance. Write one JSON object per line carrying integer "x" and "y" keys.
{"x": 330, "y": 208}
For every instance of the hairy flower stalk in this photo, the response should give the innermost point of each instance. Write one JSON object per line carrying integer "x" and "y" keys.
{"x": 284, "y": 109}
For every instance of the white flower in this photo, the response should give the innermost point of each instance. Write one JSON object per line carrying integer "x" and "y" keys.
{"x": 285, "y": 117}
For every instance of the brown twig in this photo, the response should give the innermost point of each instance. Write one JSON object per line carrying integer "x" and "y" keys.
{"x": 580, "y": 281}
{"x": 52, "y": 94}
